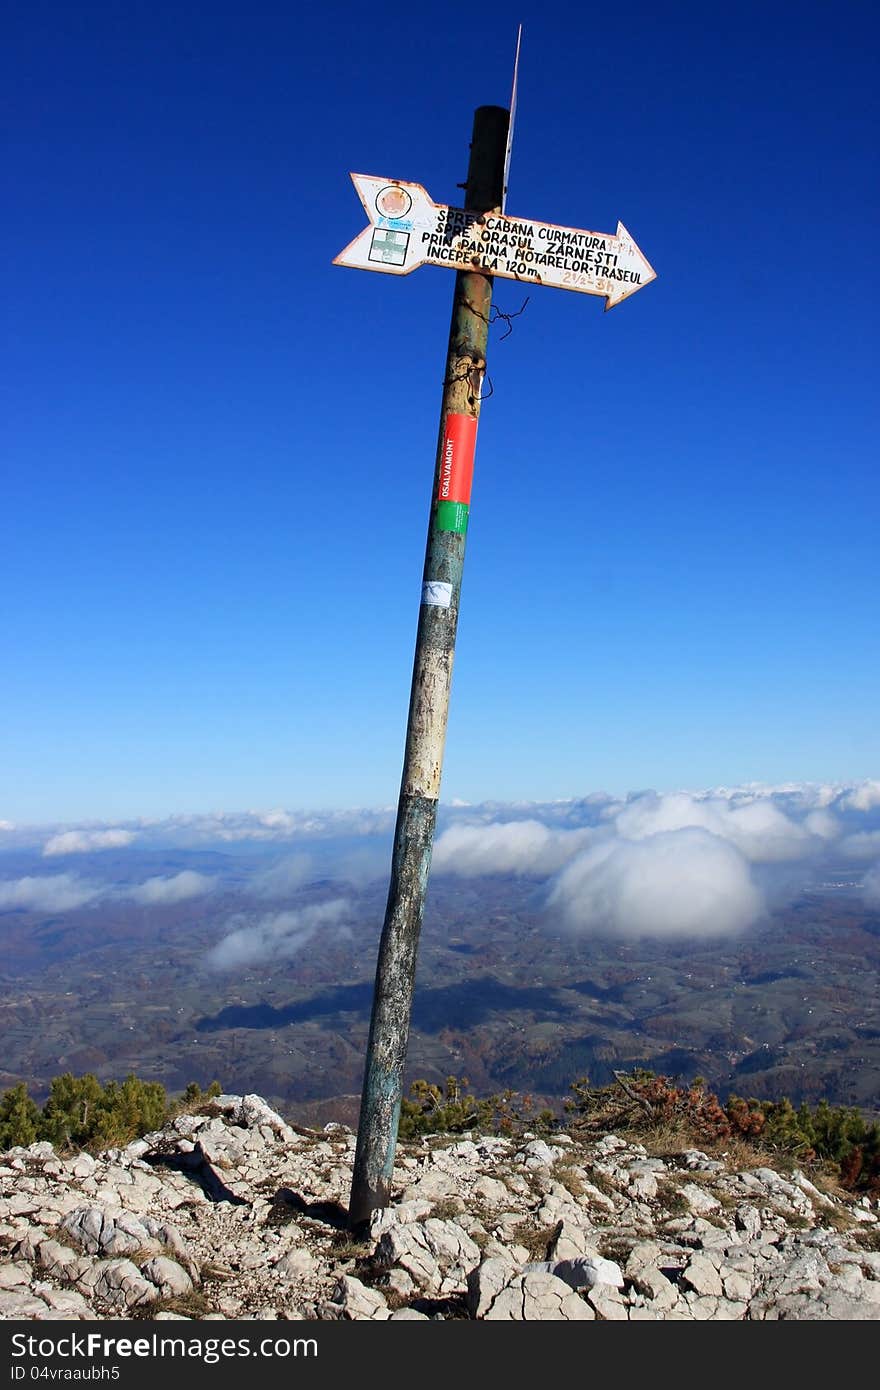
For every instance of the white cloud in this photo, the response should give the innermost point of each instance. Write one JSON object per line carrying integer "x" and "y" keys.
{"x": 676, "y": 883}
{"x": 83, "y": 841}
{"x": 6, "y": 825}
{"x": 344, "y": 863}
{"x": 757, "y": 827}
{"x": 49, "y": 893}
{"x": 862, "y": 846}
{"x": 822, "y": 823}
{"x": 871, "y": 887}
{"x": 66, "y": 892}
{"x": 282, "y": 878}
{"x": 277, "y": 820}
{"x": 807, "y": 826}
{"x": 278, "y": 825}
{"x": 811, "y": 794}
{"x": 769, "y": 823}
{"x": 684, "y": 862}
{"x": 276, "y": 937}
{"x": 507, "y": 847}
{"x": 864, "y": 796}
{"x": 171, "y": 890}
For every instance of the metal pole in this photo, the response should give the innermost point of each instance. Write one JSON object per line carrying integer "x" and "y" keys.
{"x": 429, "y": 699}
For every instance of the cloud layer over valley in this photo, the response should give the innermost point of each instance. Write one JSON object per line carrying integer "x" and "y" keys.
{"x": 85, "y": 841}
{"x": 66, "y": 892}
{"x": 277, "y": 936}
{"x": 663, "y": 864}
{"x": 680, "y": 864}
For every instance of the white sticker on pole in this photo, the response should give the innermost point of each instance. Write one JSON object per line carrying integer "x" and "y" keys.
{"x": 436, "y": 593}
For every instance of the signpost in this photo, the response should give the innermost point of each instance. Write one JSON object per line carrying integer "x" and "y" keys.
{"x": 407, "y": 229}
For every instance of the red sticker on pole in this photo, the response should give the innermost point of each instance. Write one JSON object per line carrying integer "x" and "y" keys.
{"x": 457, "y": 459}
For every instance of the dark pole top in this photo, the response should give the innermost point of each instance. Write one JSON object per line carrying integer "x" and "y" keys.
{"x": 485, "y": 181}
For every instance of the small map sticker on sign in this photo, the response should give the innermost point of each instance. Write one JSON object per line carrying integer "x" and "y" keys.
{"x": 389, "y": 247}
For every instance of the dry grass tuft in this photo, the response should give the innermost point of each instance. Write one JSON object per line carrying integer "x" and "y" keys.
{"x": 447, "y": 1208}
{"x": 838, "y": 1218}
{"x": 188, "y": 1305}
{"x": 671, "y": 1199}
{"x": 536, "y": 1239}
{"x": 348, "y": 1251}
{"x": 569, "y": 1175}
{"x": 868, "y": 1240}
{"x": 603, "y": 1183}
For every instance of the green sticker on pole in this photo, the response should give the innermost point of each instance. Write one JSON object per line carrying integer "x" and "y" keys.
{"x": 452, "y": 516}
{"x": 456, "y": 473}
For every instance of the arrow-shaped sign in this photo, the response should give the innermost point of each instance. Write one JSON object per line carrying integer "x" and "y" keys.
{"x": 408, "y": 229}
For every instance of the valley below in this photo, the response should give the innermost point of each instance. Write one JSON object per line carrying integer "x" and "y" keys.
{"x": 504, "y": 997}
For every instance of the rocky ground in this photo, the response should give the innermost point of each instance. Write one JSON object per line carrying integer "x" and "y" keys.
{"x": 231, "y": 1213}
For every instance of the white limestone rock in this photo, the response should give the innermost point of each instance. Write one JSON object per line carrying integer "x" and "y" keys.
{"x": 738, "y": 1286}
{"x": 407, "y": 1246}
{"x": 608, "y": 1303}
{"x": 538, "y": 1297}
{"x": 582, "y": 1272}
{"x": 13, "y": 1275}
{"x": 655, "y": 1286}
{"x": 256, "y": 1113}
{"x": 118, "y": 1284}
{"x": 65, "y": 1303}
{"x": 573, "y": 1239}
{"x": 398, "y": 1282}
{"x": 170, "y": 1278}
{"x": 643, "y": 1184}
{"x": 701, "y": 1275}
{"x": 222, "y": 1147}
{"x": 485, "y": 1283}
{"x": 357, "y": 1302}
{"x": 82, "y": 1166}
{"x": 492, "y": 1191}
{"x": 700, "y": 1202}
{"x": 169, "y": 1237}
{"x": 643, "y": 1255}
{"x": 21, "y": 1303}
{"x": 453, "y": 1249}
{"x": 56, "y": 1258}
{"x": 609, "y": 1144}
{"x": 69, "y": 1252}
{"x": 832, "y": 1306}
{"x": 107, "y": 1230}
{"x": 296, "y": 1264}
{"x": 539, "y": 1154}
{"x": 432, "y": 1185}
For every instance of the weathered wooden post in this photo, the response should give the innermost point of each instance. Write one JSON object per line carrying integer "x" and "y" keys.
{"x": 429, "y": 700}
{"x": 407, "y": 229}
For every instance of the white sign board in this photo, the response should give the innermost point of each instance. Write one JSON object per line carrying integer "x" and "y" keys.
{"x": 407, "y": 229}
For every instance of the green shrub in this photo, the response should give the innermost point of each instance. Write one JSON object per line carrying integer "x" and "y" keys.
{"x": 19, "y": 1117}
{"x": 129, "y": 1110}
{"x": 70, "y": 1115}
{"x": 453, "y": 1109}
{"x": 643, "y": 1102}
{"x": 79, "y": 1111}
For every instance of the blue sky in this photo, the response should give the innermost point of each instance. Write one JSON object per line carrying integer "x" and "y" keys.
{"x": 219, "y": 446}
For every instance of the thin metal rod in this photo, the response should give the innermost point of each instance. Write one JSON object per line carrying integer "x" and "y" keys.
{"x": 429, "y": 698}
